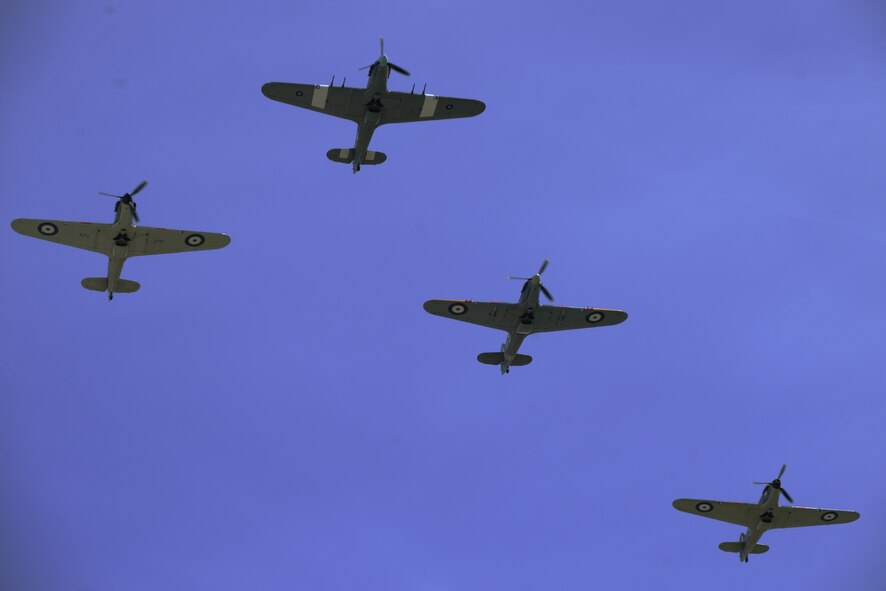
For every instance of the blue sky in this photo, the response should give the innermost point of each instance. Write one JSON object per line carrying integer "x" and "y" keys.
{"x": 282, "y": 414}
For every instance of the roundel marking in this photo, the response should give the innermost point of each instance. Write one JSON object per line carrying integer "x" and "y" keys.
{"x": 704, "y": 507}
{"x": 458, "y": 309}
{"x": 829, "y": 516}
{"x": 47, "y": 229}
{"x": 195, "y": 240}
{"x": 299, "y": 93}
{"x": 595, "y": 317}
{"x": 449, "y": 107}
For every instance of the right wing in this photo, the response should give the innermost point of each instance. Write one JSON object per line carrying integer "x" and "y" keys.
{"x": 147, "y": 240}
{"x": 492, "y": 314}
{"x": 746, "y": 514}
{"x": 808, "y": 516}
{"x": 94, "y": 237}
{"x": 344, "y": 102}
{"x": 403, "y": 107}
{"x": 552, "y": 318}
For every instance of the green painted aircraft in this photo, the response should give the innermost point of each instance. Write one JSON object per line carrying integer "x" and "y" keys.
{"x": 370, "y": 107}
{"x": 119, "y": 241}
{"x": 520, "y": 320}
{"x": 759, "y": 518}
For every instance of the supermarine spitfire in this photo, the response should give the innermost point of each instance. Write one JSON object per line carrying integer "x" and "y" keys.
{"x": 520, "y": 320}
{"x": 119, "y": 241}
{"x": 370, "y": 107}
{"x": 759, "y": 518}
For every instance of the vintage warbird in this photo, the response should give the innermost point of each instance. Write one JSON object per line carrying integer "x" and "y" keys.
{"x": 119, "y": 241}
{"x": 766, "y": 514}
{"x": 520, "y": 320}
{"x": 370, "y": 107}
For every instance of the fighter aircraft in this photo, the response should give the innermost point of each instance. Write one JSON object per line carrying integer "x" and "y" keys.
{"x": 763, "y": 516}
{"x": 520, "y": 320}
{"x": 119, "y": 241}
{"x": 370, "y": 107}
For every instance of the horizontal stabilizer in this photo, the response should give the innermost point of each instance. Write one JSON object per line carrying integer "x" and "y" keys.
{"x": 498, "y": 358}
{"x": 126, "y": 286}
{"x": 101, "y": 284}
{"x": 346, "y": 156}
{"x": 737, "y": 546}
{"x": 95, "y": 283}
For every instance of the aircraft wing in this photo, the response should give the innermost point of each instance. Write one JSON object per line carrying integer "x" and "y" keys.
{"x": 505, "y": 316}
{"x": 403, "y": 107}
{"x": 492, "y": 314}
{"x": 94, "y": 237}
{"x": 147, "y": 240}
{"x": 807, "y": 516}
{"x": 746, "y": 514}
{"x": 553, "y": 318}
{"x": 345, "y": 102}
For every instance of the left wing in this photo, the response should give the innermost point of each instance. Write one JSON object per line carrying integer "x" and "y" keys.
{"x": 807, "y": 516}
{"x": 94, "y": 237}
{"x": 402, "y": 107}
{"x": 492, "y": 314}
{"x": 345, "y": 102}
{"x": 746, "y": 514}
{"x": 147, "y": 240}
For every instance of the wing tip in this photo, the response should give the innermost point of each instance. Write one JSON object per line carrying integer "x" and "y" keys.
{"x": 18, "y": 224}
{"x": 272, "y": 90}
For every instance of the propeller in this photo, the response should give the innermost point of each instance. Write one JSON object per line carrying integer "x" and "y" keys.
{"x": 394, "y": 67}
{"x": 776, "y": 484}
{"x": 541, "y": 286}
{"x": 127, "y": 198}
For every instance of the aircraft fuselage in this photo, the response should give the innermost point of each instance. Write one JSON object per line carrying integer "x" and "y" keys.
{"x": 376, "y": 89}
{"x": 528, "y": 303}
{"x": 767, "y": 505}
{"x": 123, "y": 230}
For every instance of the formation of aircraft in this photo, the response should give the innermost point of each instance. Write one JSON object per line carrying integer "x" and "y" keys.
{"x": 370, "y": 107}
{"x": 762, "y": 516}
{"x": 119, "y": 240}
{"x": 523, "y": 318}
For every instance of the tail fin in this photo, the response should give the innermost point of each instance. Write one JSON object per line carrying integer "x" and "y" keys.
{"x": 346, "y": 156}
{"x": 498, "y": 358}
{"x": 737, "y": 547}
{"x": 101, "y": 284}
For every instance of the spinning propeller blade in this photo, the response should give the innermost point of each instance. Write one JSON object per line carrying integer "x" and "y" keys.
{"x": 140, "y": 186}
{"x": 127, "y": 198}
{"x": 541, "y": 270}
{"x": 398, "y": 69}
{"x": 394, "y": 67}
{"x": 776, "y": 484}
